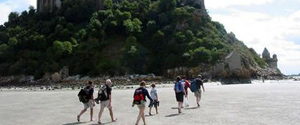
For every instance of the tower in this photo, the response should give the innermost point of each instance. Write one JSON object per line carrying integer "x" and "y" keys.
{"x": 47, "y": 5}
{"x": 272, "y": 62}
{"x": 266, "y": 54}
{"x": 200, "y": 4}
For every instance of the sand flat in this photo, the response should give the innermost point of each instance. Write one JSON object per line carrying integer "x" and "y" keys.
{"x": 269, "y": 103}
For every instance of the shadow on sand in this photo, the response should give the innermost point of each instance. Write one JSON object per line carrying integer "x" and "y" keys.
{"x": 188, "y": 108}
{"x": 172, "y": 115}
{"x": 174, "y": 107}
{"x": 101, "y": 123}
{"x": 75, "y": 123}
{"x": 150, "y": 115}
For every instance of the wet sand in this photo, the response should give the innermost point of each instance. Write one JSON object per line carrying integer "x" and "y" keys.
{"x": 276, "y": 103}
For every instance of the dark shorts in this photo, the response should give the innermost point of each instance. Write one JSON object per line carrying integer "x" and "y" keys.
{"x": 179, "y": 96}
{"x": 153, "y": 103}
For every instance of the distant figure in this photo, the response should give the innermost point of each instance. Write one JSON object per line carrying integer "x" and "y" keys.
{"x": 186, "y": 86}
{"x": 155, "y": 103}
{"x": 199, "y": 83}
{"x": 90, "y": 104}
{"x": 139, "y": 99}
{"x": 263, "y": 78}
{"x": 104, "y": 95}
{"x": 179, "y": 93}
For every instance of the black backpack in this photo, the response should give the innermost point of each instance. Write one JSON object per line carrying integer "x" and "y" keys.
{"x": 102, "y": 93}
{"x": 83, "y": 95}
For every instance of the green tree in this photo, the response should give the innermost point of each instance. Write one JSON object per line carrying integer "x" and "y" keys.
{"x": 108, "y": 4}
{"x": 133, "y": 26}
{"x": 167, "y": 5}
{"x": 13, "y": 41}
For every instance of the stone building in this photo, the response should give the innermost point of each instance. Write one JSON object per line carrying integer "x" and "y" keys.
{"x": 232, "y": 63}
{"x": 272, "y": 62}
{"x": 233, "y": 60}
{"x": 199, "y": 4}
{"x": 49, "y": 5}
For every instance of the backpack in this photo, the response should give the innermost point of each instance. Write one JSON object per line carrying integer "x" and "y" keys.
{"x": 102, "y": 93}
{"x": 186, "y": 84}
{"x": 83, "y": 95}
{"x": 178, "y": 86}
{"x": 138, "y": 96}
{"x": 193, "y": 86}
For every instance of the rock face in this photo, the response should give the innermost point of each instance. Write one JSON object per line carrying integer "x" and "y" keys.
{"x": 235, "y": 68}
{"x": 56, "y": 77}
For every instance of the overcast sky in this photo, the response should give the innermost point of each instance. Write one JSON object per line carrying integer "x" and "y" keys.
{"x": 274, "y": 24}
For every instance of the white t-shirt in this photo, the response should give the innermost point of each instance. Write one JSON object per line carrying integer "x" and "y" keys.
{"x": 153, "y": 93}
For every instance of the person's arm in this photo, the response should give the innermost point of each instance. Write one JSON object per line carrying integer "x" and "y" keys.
{"x": 148, "y": 96}
{"x": 203, "y": 86}
{"x": 156, "y": 95}
{"x": 92, "y": 96}
{"x": 182, "y": 86}
{"x": 109, "y": 97}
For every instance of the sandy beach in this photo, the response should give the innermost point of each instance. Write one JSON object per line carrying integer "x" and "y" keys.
{"x": 272, "y": 102}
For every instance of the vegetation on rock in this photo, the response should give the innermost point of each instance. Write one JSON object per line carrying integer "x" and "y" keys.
{"x": 124, "y": 38}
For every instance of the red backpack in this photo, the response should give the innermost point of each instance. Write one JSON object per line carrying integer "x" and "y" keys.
{"x": 138, "y": 96}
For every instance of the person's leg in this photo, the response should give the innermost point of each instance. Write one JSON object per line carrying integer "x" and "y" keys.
{"x": 200, "y": 94}
{"x": 150, "y": 110}
{"x": 111, "y": 114}
{"x": 82, "y": 111}
{"x": 156, "y": 109}
{"x": 143, "y": 116}
{"x": 141, "y": 109}
{"x": 100, "y": 114}
{"x": 199, "y": 98}
{"x": 91, "y": 114}
{"x": 181, "y": 104}
{"x": 179, "y": 107}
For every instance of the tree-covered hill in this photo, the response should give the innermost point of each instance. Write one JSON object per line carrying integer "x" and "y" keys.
{"x": 124, "y": 38}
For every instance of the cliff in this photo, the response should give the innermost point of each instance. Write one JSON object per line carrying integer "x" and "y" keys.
{"x": 163, "y": 37}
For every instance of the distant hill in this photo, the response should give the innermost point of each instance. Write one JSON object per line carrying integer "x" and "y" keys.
{"x": 124, "y": 38}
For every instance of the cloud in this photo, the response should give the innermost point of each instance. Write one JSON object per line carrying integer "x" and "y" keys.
{"x": 5, "y": 10}
{"x": 219, "y": 4}
{"x": 8, "y": 6}
{"x": 259, "y": 30}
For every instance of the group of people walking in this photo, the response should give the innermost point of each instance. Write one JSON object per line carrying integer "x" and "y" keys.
{"x": 181, "y": 90}
{"x": 139, "y": 98}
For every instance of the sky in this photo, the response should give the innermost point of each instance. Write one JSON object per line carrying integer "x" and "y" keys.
{"x": 274, "y": 24}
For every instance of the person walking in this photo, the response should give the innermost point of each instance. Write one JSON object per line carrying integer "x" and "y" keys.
{"x": 104, "y": 95}
{"x": 155, "y": 103}
{"x": 140, "y": 100}
{"x": 186, "y": 86}
{"x": 179, "y": 92}
{"x": 90, "y": 104}
{"x": 199, "y": 83}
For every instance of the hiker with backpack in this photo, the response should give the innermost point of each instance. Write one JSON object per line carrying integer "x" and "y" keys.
{"x": 197, "y": 92}
{"x": 139, "y": 99}
{"x": 155, "y": 102}
{"x": 86, "y": 97}
{"x": 179, "y": 92}
{"x": 186, "y": 86}
{"x": 104, "y": 96}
